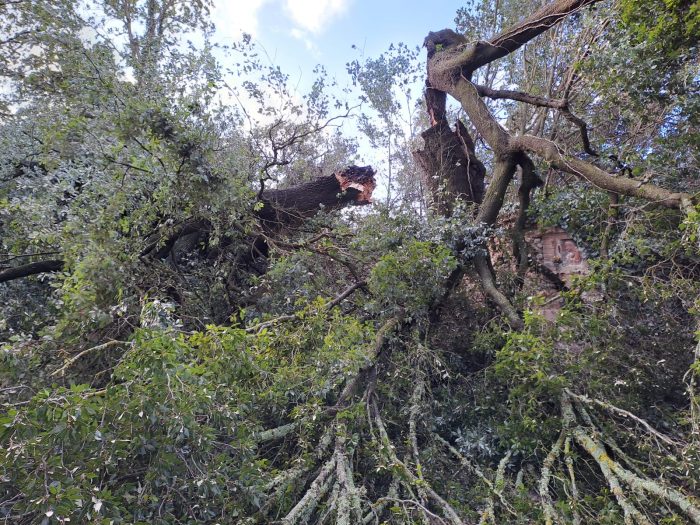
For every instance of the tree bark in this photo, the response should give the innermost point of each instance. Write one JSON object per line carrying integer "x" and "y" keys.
{"x": 451, "y": 170}
{"x": 472, "y": 57}
{"x": 34, "y": 268}
{"x": 550, "y": 152}
{"x": 290, "y": 207}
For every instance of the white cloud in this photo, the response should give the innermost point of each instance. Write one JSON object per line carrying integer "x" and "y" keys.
{"x": 303, "y": 36}
{"x": 233, "y": 17}
{"x": 315, "y": 15}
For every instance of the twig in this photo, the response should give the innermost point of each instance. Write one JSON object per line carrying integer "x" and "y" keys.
{"x": 546, "y": 499}
{"x": 568, "y": 460}
{"x": 388, "y": 449}
{"x": 627, "y": 414}
{"x": 72, "y": 360}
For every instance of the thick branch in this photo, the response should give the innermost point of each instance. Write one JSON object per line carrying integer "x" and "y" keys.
{"x": 285, "y": 207}
{"x": 488, "y": 213}
{"x": 288, "y": 207}
{"x": 488, "y": 282}
{"x": 275, "y": 433}
{"x": 493, "y": 200}
{"x": 281, "y": 208}
{"x": 30, "y": 269}
{"x": 587, "y": 171}
{"x": 479, "y": 114}
{"x": 528, "y": 181}
{"x": 313, "y": 495}
{"x": 481, "y": 53}
{"x": 638, "y": 484}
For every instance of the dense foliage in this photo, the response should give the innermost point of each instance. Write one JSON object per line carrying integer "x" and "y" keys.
{"x": 359, "y": 371}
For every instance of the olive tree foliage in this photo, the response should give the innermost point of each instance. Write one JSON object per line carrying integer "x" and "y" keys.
{"x": 366, "y": 373}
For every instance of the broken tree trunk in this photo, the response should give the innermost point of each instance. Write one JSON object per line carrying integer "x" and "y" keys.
{"x": 282, "y": 208}
{"x": 290, "y": 207}
{"x": 451, "y": 170}
{"x": 450, "y": 65}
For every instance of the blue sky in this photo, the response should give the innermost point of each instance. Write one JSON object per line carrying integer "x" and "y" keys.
{"x": 298, "y": 34}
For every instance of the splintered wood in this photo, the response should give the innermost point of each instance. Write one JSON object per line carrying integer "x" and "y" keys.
{"x": 362, "y": 182}
{"x": 560, "y": 254}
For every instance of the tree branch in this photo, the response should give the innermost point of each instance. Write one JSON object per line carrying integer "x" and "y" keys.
{"x": 520, "y": 96}
{"x": 31, "y": 269}
{"x": 560, "y": 104}
{"x": 553, "y": 154}
{"x": 483, "y": 52}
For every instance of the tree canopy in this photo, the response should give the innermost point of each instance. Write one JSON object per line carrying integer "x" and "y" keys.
{"x": 212, "y": 311}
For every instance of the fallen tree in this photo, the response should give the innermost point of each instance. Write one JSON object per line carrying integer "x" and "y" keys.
{"x": 277, "y": 209}
{"x": 410, "y": 402}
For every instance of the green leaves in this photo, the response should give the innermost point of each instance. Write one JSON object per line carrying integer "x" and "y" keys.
{"x": 412, "y": 277}
{"x": 669, "y": 24}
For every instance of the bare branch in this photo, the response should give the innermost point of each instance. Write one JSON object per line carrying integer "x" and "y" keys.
{"x": 484, "y": 52}
{"x": 520, "y": 96}
{"x": 553, "y": 154}
{"x": 313, "y": 495}
{"x": 624, "y": 413}
{"x": 561, "y": 105}
{"x": 75, "y": 358}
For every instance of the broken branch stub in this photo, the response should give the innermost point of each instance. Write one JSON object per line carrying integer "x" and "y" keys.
{"x": 359, "y": 178}
{"x": 289, "y": 207}
{"x": 451, "y": 171}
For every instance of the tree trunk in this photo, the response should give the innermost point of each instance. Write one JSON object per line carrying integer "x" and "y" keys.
{"x": 451, "y": 170}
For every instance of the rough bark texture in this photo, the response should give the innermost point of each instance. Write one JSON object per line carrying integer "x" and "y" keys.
{"x": 528, "y": 182}
{"x": 30, "y": 269}
{"x": 291, "y": 206}
{"x": 481, "y": 53}
{"x": 451, "y": 171}
{"x": 599, "y": 178}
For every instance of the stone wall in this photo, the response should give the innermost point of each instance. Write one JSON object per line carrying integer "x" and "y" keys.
{"x": 554, "y": 249}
